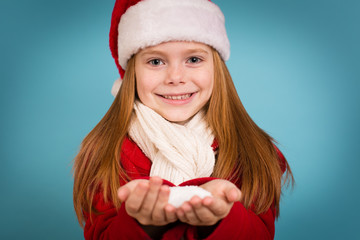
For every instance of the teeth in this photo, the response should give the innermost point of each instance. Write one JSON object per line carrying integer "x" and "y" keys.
{"x": 179, "y": 97}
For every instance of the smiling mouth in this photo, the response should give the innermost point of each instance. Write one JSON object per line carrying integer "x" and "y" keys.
{"x": 177, "y": 97}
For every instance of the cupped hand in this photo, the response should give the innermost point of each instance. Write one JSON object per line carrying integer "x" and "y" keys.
{"x": 208, "y": 211}
{"x": 146, "y": 201}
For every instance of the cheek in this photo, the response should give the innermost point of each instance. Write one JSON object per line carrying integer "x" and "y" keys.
{"x": 144, "y": 88}
{"x": 207, "y": 83}
{"x": 206, "y": 78}
{"x": 141, "y": 89}
{"x": 141, "y": 80}
{"x": 209, "y": 88}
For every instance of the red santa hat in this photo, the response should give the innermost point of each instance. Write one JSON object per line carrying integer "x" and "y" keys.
{"x": 139, "y": 24}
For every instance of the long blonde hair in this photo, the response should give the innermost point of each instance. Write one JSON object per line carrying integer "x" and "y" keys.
{"x": 246, "y": 153}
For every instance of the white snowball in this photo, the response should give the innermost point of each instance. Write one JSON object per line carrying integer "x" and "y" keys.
{"x": 179, "y": 195}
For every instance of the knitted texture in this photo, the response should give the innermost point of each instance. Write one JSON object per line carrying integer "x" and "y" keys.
{"x": 178, "y": 152}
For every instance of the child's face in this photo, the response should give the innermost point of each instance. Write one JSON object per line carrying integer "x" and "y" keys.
{"x": 175, "y": 78}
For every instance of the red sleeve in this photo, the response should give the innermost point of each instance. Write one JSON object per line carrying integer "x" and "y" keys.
{"x": 112, "y": 224}
{"x": 117, "y": 224}
{"x": 240, "y": 223}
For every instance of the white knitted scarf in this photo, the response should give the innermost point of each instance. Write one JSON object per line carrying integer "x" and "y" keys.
{"x": 178, "y": 152}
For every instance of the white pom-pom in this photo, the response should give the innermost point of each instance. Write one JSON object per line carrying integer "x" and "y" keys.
{"x": 179, "y": 195}
{"x": 116, "y": 86}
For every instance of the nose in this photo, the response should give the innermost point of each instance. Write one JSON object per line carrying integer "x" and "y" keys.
{"x": 175, "y": 74}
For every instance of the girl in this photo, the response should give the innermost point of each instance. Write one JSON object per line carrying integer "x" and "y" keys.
{"x": 176, "y": 121}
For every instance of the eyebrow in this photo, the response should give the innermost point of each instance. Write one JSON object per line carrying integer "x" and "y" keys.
{"x": 195, "y": 50}
{"x": 151, "y": 52}
{"x": 189, "y": 51}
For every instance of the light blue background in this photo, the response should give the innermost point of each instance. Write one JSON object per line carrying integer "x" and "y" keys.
{"x": 296, "y": 67}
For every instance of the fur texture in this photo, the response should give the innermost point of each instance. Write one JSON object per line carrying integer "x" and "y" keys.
{"x": 151, "y": 22}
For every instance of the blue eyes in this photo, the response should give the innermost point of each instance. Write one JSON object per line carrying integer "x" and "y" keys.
{"x": 194, "y": 60}
{"x": 158, "y": 62}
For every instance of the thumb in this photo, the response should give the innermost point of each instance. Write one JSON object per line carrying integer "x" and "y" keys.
{"x": 125, "y": 190}
{"x": 123, "y": 193}
{"x": 233, "y": 195}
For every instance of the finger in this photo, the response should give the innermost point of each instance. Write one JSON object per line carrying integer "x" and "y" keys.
{"x": 158, "y": 213}
{"x": 190, "y": 214}
{"x": 125, "y": 190}
{"x": 195, "y": 202}
{"x": 203, "y": 213}
{"x": 207, "y": 201}
{"x": 163, "y": 196}
{"x": 206, "y": 216}
{"x": 136, "y": 198}
{"x": 217, "y": 206}
{"x": 151, "y": 196}
{"x": 170, "y": 213}
{"x": 181, "y": 215}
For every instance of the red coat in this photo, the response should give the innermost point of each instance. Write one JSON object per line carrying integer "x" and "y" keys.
{"x": 240, "y": 223}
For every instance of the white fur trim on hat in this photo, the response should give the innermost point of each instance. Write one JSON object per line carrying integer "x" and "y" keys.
{"x": 151, "y": 22}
